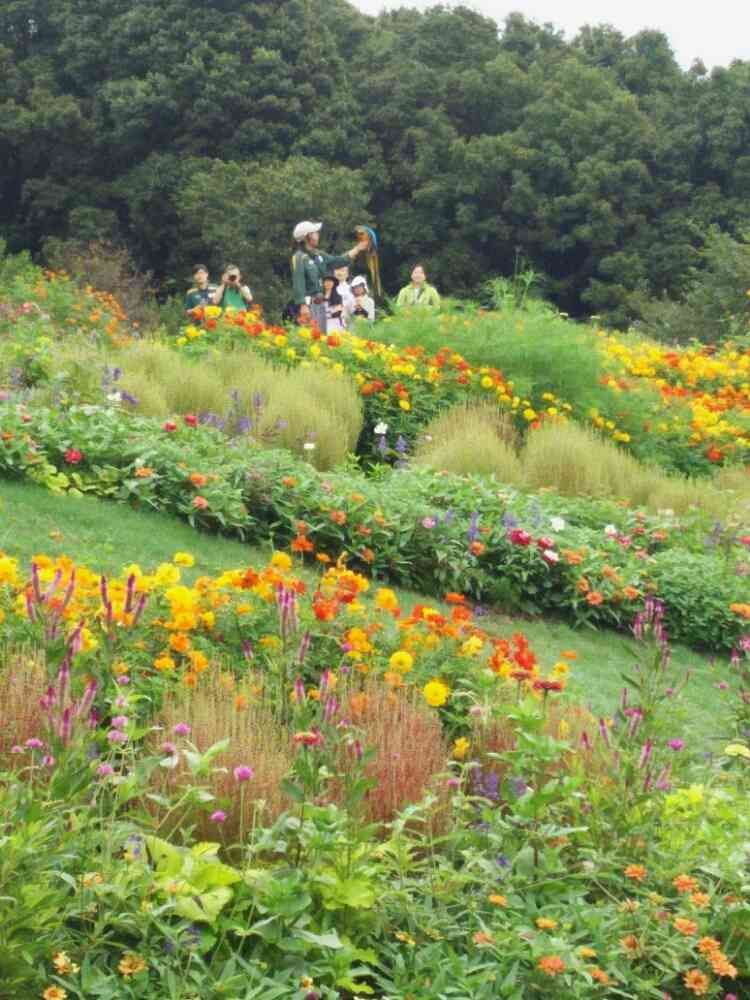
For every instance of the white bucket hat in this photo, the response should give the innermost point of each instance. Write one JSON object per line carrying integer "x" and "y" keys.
{"x": 360, "y": 280}
{"x": 303, "y": 229}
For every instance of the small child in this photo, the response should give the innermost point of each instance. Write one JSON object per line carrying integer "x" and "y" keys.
{"x": 362, "y": 305}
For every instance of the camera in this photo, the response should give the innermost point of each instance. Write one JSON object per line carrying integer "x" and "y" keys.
{"x": 233, "y": 278}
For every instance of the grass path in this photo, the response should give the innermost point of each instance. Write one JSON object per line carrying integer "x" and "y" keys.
{"x": 107, "y": 537}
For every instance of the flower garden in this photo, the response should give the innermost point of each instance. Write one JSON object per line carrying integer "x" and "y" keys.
{"x": 290, "y": 778}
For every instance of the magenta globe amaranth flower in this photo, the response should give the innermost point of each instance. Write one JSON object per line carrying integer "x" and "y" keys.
{"x": 182, "y": 729}
{"x": 105, "y": 770}
{"x": 676, "y": 744}
{"x": 34, "y": 743}
{"x": 169, "y": 748}
{"x": 120, "y": 721}
{"x": 219, "y": 816}
{"x": 243, "y": 773}
{"x": 117, "y": 736}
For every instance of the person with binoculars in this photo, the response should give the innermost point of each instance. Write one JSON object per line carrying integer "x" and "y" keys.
{"x": 231, "y": 293}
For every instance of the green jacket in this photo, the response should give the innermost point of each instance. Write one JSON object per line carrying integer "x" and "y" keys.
{"x": 427, "y": 296}
{"x": 308, "y": 270}
{"x": 199, "y": 297}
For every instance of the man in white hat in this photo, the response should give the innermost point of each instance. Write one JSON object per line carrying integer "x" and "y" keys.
{"x": 309, "y": 266}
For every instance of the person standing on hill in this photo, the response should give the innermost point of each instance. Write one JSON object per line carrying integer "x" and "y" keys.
{"x": 419, "y": 292}
{"x": 201, "y": 294}
{"x": 309, "y": 265}
{"x": 231, "y": 293}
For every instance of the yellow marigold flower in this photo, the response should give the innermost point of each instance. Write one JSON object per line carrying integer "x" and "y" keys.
{"x": 63, "y": 964}
{"x": 401, "y": 661}
{"x": 404, "y": 404}
{"x": 636, "y": 872}
{"x": 130, "y": 965}
{"x": 167, "y": 575}
{"x": 472, "y": 646}
{"x": 461, "y": 747}
{"x": 436, "y": 693}
{"x": 386, "y": 599}
{"x": 183, "y": 559}
{"x": 281, "y": 561}
{"x": 700, "y": 900}
{"x": 179, "y": 642}
{"x": 164, "y": 663}
{"x": 546, "y": 923}
{"x": 697, "y": 982}
{"x": 585, "y": 952}
{"x": 55, "y": 993}
{"x": 497, "y": 899}
{"x": 685, "y": 926}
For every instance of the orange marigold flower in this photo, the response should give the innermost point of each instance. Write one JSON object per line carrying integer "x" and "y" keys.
{"x": 477, "y": 548}
{"x": 569, "y": 654}
{"x": 630, "y": 592}
{"x": 697, "y": 982}
{"x": 338, "y": 516}
{"x": 583, "y": 585}
{"x": 198, "y": 479}
{"x": 595, "y": 598}
{"x": 722, "y": 966}
{"x": 301, "y": 544}
{"x": 453, "y": 598}
{"x": 482, "y": 938}
{"x": 708, "y": 945}
{"x": 685, "y": 926}
{"x": 289, "y": 481}
{"x": 322, "y": 557}
{"x": 599, "y": 975}
{"x": 636, "y": 872}
{"x": 144, "y": 472}
{"x": 497, "y": 899}
{"x": 551, "y": 965}
{"x": 200, "y": 503}
{"x": 684, "y": 883}
{"x": 700, "y": 899}
{"x": 631, "y": 944}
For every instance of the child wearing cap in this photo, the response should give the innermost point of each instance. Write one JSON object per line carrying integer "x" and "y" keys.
{"x": 362, "y": 305}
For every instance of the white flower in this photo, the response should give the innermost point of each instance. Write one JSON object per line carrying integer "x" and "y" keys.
{"x": 114, "y": 397}
{"x": 309, "y": 446}
{"x": 381, "y": 428}
{"x": 551, "y": 556}
{"x": 557, "y": 523}
{"x": 610, "y": 531}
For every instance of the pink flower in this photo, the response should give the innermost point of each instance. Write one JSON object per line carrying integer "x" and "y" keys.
{"x": 16, "y": 749}
{"x": 200, "y": 502}
{"x": 105, "y": 770}
{"x": 182, "y": 729}
{"x": 168, "y": 748}
{"x": 545, "y": 543}
{"x": 243, "y": 773}
{"x": 120, "y": 721}
{"x": 73, "y": 456}
{"x": 115, "y": 736}
{"x": 48, "y": 760}
{"x": 34, "y": 743}
{"x": 520, "y": 537}
{"x": 123, "y": 680}
{"x": 550, "y": 556}
{"x": 676, "y": 744}
{"x": 219, "y": 816}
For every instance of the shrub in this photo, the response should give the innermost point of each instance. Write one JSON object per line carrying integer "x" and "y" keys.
{"x": 471, "y": 438}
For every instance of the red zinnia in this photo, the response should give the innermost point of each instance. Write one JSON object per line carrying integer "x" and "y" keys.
{"x": 73, "y": 456}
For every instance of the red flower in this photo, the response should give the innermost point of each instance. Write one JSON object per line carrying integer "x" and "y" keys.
{"x": 545, "y": 543}
{"x": 521, "y": 537}
{"x": 169, "y": 425}
{"x": 191, "y": 420}
{"x": 73, "y": 456}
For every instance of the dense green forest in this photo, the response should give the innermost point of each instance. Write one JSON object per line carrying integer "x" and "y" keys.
{"x": 186, "y": 130}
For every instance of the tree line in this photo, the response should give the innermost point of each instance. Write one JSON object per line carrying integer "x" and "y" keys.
{"x": 184, "y": 131}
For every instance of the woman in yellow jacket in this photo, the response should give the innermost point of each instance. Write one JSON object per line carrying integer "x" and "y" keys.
{"x": 419, "y": 292}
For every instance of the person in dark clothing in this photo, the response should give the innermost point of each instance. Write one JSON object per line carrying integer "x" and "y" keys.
{"x": 309, "y": 265}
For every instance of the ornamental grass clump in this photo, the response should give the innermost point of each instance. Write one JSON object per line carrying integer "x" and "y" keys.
{"x": 23, "y": 679}
{"x": 471, "y": 438}
{"x": 218, "y": 709}
{"x": 409, "y": 747}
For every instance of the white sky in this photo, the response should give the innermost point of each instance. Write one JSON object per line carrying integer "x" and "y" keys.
{"x": 716, "y": 32}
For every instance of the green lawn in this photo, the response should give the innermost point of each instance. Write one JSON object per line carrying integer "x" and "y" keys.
{"x": 106, "y": 537}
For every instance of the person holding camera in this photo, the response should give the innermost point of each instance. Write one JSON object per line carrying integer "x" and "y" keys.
{"x": 231, "y": 293}
{"x": 309, "y": 265}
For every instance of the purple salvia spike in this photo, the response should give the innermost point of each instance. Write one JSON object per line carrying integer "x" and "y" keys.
{"x": 247, "y": 649}
{"x": 66, "y": 726}
{"x": 75, "y": 642}
{"x": 299, "y": 690}
{"x": 30, "y": 609}
{"x": 303, "y": 648}
{"x": 324, "y": 681}
{"x": 647, "y": 782}
{"x": 358, "y": 751}
{"x": 69, "y": 590}
{"x": 603, "y": 731}
{"x": 53, "y": 586}
{"x": 110, "y": 613}
{"x": 87, "y": 698}
{"x": 35, "y": 583}
{"x": 585, "y": 741}
{"x": 331, "y": 708}
{"x": 104, "y": 590}
{"x": 63, "y": 680}
{"x": 130, "y": 594}
{"x": 139, "y": 609}
{"x": 648, "y": 747}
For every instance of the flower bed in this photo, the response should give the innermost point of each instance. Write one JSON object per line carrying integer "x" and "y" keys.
{"x": 593, "y": 563}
